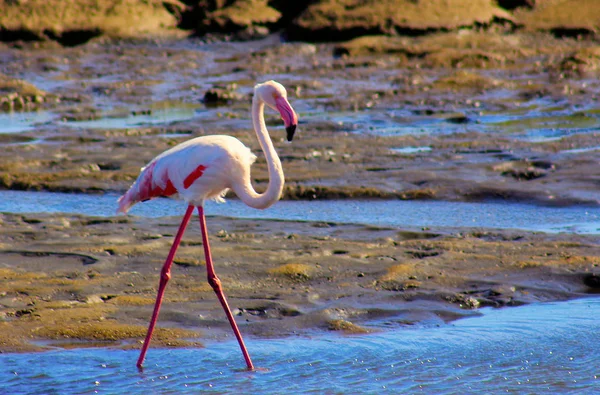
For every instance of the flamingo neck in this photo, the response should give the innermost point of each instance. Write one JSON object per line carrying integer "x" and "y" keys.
{"x": 276, "y": 179}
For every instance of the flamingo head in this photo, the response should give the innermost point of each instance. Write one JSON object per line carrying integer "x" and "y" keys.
{"x": 274, "y": 95}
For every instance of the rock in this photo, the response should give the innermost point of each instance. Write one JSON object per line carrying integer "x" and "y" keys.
{"x": 582, "y": 62}
{"x": 219, "y": 96}
{"x": 19, "y": 95}
{"x": 592, "y": 281}
{"x": 77, "y": 21}
{"x": 572, "y": 18}
{"x": 346, "y": 327}
{"x": 369, "y": 45}
{"x": 523, "y": 170}
{"x": 336, "y": 20}
{"x": 469, "y": 302}
{"x": 468, "y": 81}
{"x": 457, "y": 49}
{"x": 250, "y": 17}
{"x": 94, "y": 299}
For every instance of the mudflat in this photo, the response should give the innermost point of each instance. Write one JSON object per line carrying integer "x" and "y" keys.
{"x": 87, "y": 281}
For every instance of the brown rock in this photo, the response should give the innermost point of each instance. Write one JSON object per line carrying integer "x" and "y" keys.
{"x": 329, "y": 20}
{"x": 562, "y": 17}
{"x": 236, "y": 16}
{"x": 582, "y": 62}
{"x": 76, "y": 22}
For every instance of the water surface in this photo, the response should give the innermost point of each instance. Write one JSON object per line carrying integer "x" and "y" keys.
{"x": 546, "y": 348}
{"x": 397, "y": 213}
{"x": 16, "y": 122}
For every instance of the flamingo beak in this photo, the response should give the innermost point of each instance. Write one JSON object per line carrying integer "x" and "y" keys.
{"x": 290, "y": 119}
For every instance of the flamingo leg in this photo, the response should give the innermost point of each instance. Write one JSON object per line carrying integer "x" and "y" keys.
{"x": 215, "y": 283}
{"x": 165, "y": 275}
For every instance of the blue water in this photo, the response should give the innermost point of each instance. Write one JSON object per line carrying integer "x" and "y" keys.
{"x": 547, "y": 348}
{"x": 397, "y": 213}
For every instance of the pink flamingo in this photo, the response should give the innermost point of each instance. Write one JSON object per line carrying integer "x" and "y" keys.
{"x": 205, "y": 168}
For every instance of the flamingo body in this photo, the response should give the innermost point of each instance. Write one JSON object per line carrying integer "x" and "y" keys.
{"x": 205, "y": 168}
{"x": 196, "y": 170}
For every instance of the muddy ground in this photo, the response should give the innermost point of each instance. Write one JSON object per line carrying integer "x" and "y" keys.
{"x": 80, "y": 281}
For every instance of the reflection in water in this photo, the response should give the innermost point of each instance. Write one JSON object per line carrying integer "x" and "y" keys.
{"x": 542, "y": 348}
{"x": 397, "y": 213}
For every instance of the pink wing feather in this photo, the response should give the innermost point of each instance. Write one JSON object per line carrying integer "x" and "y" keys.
{"x": 213, "y": 159}
{"x": 149, "y": 185}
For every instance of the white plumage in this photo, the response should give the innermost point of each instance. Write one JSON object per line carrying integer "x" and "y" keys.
{"x": 225, "y": 161}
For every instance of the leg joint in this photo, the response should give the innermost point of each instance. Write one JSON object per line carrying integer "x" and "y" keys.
{"x": 214, "y": 282}
{"x": 165, "y": 275}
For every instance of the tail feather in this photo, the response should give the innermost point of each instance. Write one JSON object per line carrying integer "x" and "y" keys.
{"x": 146, "y": 188}
{"x": 125, "y": 203}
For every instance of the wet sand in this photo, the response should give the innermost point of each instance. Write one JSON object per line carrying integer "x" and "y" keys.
{"x": 83, "y": 281}
{"x": 88, "y": 281}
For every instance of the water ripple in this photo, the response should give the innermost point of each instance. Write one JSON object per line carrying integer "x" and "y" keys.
{"x": 541, "y": 348}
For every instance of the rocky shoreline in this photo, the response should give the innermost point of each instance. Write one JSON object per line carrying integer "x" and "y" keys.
{"x": 76, "y": 22}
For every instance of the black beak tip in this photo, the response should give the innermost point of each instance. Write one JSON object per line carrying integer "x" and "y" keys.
{"x": 290, "y": 132}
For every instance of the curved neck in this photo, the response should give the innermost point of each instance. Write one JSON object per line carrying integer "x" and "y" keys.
{"x": 276, "y": 179}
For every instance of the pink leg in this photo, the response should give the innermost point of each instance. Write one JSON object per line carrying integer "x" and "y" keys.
{"x": 215, "y": 283}
{"x": 165, "y": 275}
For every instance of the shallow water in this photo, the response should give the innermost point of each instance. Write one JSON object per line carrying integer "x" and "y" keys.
{"x": 542, "y": 121}
{"x": 16, "y": 122}
{"x": 157, "y": 117}
{"x": 539, "y": 122}
{"x": 397, "y": 213}
{"x": 542, "y": 348}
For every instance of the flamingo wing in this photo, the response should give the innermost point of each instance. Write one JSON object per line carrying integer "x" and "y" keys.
{"x": 198, "y": 169}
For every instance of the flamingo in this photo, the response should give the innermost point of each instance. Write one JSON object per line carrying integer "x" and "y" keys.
{"x": 205, "y": 168}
